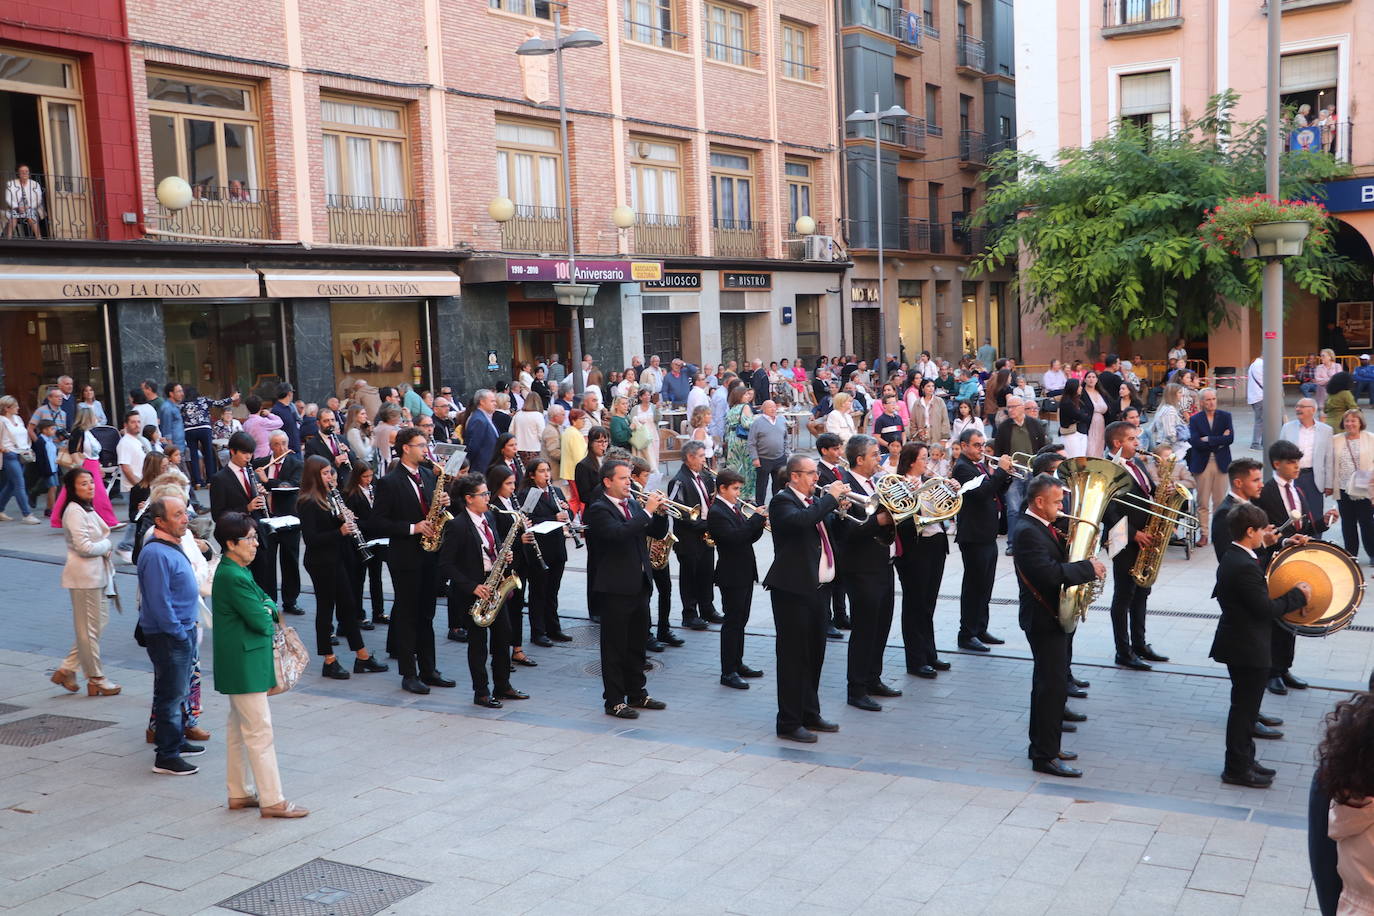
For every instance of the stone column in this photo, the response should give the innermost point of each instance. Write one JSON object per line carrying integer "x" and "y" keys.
{"x": 140, "y": 342}
{"x": 466, "y": 327}
{"x": 311, "y": 348}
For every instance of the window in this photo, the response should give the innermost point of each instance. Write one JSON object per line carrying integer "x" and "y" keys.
{"x": 798, "y": 175}
{"x": 962, "y": 20}
{"x": 1307, "y": 87}
{"x": 732, "y": 183}
{"x": 206, "y": 132}
{"x": 41, "y": 128}
{"x": 655, "y": 180}
{"x": 650, "y": 22}
{"x": 527, "y": 164}
{"x": 933, "y": 110}
{"x": 727, "y": 34}
{"x": 928, "y": 18}
{"x": 539, "y": 9}
{"x": 364, "y": 152}
{"x": 965, "y": 112}
{"x": 1145, "y": 100}
{"x": 933, "y": 192}
{"x": 796, "y": 51}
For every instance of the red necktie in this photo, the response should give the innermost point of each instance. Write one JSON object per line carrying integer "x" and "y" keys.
{"x": 248, "y": 483}
{"x": 825, "y": 538}
{"x": 491, "y": 540}
{"x": 625, "y": 507}
{"x": 420, "y": 493}
{"x": 701, "y": 488}
{"x": 1293, "y": 503}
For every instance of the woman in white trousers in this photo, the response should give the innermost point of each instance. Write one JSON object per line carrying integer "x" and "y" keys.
{"x": 88, "y": 576}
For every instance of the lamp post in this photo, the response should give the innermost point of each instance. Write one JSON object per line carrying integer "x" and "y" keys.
{"x": 1271, "y": 297}
{"x": 536, "y": 47}
{"x": 877, "y": 117}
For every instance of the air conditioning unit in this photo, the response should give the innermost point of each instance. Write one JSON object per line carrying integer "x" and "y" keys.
{"x": 819, "y": 248}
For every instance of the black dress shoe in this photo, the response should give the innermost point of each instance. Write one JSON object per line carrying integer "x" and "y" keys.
{"x": 487, "y": 702}
{"x": 1271, "y": 721}
{"x": 713, "y": 617}
{"x": 1260, "y": 730}
{"x": 799, "y": 734}
{"x": 1079, "y": 682}
{"x": 1267, "y": 772}
{"x": 542, "y": 641}
{"x": 879, "y": 689}
{"x": 560, "y": 636}
{"x": 1133, "y": 662}
{"x": 991, "y": 640}
{"x": 1148, "y": 653}
{"x": 648, "y": 702}
{"x": 366, "y": 625}
{"x": 940, "y": 665}
{"x": 1077, "y": 692}
{"x": 1249, "y": 779}
{"x": 865, "y": 703}
{"x": 734, "y": 680}
{"x": 695, "y": 623}
{"x": 671, "y": 638}
{"x": 973, "y": 644}
{"x": 457, "y": 634}
{"x": 1296, "y": 683}
{"x": 1277, "y": 686}
{"x": 437, "y": 680}
{"x": 294, "y": 611}
{"x": 924, "y": 671}
{"x": 1067, "y": 727}
{"x": 333, "y": 640}
{"x": 523, "y": 659}
{"x": 1068, "y": 755}
{"x": 336, "y": 671}
{"x": 381, "y": 620}
{"x": 510, "y": 693}
{"x": 746, "y": 671}
{"x": 414, "y": 685}
{"x": 832, "y": 633}
{"x": 646, "y": 665}
{"x": 842, "y": 621}
{"x": 596, "y": 619}
{"x": 621, "y": 711}
{"x": 822, "y": 725}
{"x": 1071, "y": 716}
{"x": 1056, "y": 768}
{"x": 369, "y": 665}
{"x": 653, "y": 645}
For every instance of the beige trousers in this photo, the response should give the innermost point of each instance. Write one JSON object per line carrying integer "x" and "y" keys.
{"x": 1212, "y": 485}
{"x": 90, "y": 613}
{"x": 250, "y": 741}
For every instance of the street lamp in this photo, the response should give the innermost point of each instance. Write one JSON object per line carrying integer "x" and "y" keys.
{"x": 877, "y": 117}
{"x": 537, "y": 47}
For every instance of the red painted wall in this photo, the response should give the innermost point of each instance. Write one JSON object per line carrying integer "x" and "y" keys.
{"x": 95, "y": 32}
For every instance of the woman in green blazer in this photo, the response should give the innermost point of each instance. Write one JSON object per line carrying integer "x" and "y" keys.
{"x": 1339, "y": 399}
{"x": 245, "y": 620}
{"x": 620, "y": 423}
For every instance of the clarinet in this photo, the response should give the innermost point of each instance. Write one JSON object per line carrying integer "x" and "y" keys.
{"x": 563, "y": 507}
{"x": 534, "y": 541}
{"x": 345, "y": 514}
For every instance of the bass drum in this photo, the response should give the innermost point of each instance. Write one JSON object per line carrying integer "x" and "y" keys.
{"x": 1337, "y": 586}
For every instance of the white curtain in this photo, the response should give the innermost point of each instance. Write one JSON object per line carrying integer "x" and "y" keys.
{"x": 648, "y": 197}
{"x": 360, "y": 166}
{"x": 548, "y": 181}
{"x": 742, "y": 201}
{"x": 503, "y": 175}
{"x": 524, "y": 180}
{"x": 391, "y": 183}
{"x": 671, "y": 206}
{"x": 359, "y": 115}
{"x": 333, "y": 176}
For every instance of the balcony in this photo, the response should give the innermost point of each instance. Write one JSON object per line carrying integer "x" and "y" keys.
{"x": 903, "y": 25}
{"x": 969, "y": 240}
{"x": 1132, "y": 17}
{"x": 796, "y": 244}
{"x": 973, "y": 149}
{"x": 390, "y": 222}
{"x": 537, "y": 229}
{"x": 1330, "y": 139}
{"x": 922, "y": 236}
{"x": 69, "y": 207}
{"x": 221, "y": 213}
{"x": 737, "y": 238}
{"x": 662, "y": 234}
{"x": 970, "y": 57}
{"x": 911, "y": 135}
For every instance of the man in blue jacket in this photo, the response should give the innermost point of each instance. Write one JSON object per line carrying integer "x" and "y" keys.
{"x": 479, "y": 433}
{"x": 1210, "y": 434}
{"x": 1364, "y": 378}
{"x": 169, "y": 419}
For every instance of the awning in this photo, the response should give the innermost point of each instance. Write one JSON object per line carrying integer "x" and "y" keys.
{"x": 359, "y": 284}
{"x": 19, "y": 281}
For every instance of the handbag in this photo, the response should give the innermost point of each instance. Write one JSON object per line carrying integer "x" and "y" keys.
{"x": 27, "y": 456}
{"x": 640, "y": 437}
{"x": 289, "y": 658}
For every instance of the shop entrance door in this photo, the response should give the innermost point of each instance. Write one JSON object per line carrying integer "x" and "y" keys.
{"x": 866, "y": 334}
{"x": 732, "y": 338}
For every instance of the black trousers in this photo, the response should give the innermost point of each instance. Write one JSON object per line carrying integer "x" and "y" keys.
{"x": 871, "y": 596}
{"x": 289, "y": 555}
{"x": 800, "y": 646}
{"x": 513, "y": 611}
{"x": 334, "y": 598}
{"x": 200, "y": 454}
{"x": 696, "y": 570}
{"x": 765, "y": 474}
{"x": 980, "y": 569}
{"x": 624, "y": 628}
{"x": 1282, "y": 646}
{"x": 735, "y": 602}
{"x": 494, "y": 640}
{"x": 411, "y": 636}
{"x": 592, "y": 610}
{"x": 663, "y": 586}
{"x": 264, "y": 565}
{"x": 1321, "y": 851}
{"x": 369, "y": 574}
{"x": 1128, "y": 606}
{"x": 1247, "y": 690}
{"x": 838, "y": 608}
{"x": 1049, "y": 691}
{"x": 543, "y": 594}
{"x": 922, "y": 567}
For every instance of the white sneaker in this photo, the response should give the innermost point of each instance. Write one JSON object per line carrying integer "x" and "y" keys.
{"x": 125, "y": 556}
{"x": 31, "y": 520}
{"x": 5, "y": 518}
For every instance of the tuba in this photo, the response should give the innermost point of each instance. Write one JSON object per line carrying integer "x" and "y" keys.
{"x": 1092, "y": 483}
{"x": 484, "y": 610}
{"x": 438, "y": 516}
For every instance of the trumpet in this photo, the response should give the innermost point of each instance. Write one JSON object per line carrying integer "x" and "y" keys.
{"x": 1021, "y": 469}
{"x": 673, "y": 509}
{"x": 749, "y": 510}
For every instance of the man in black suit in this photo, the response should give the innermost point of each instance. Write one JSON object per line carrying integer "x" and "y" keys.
{"x": 1129, "y": 600}
{"x": 618, "y": 526}
{"x": 830, "y": 447}
{"x": 280, "y": 472}
{"x": 235, "y": 488}
{"x": 587, "y": 480}
{"x": 763, "y": 391}
{"x": 469, "y": 551}
{"x": 329, "y": 445}
{"x": 400, "y": 513}
{"x": 735, "y": 575}
{"x": 1243, "y": 639}
{"x": 977, "y": 537}
{"x": 1042, "y": 569}
{"x": 1109, "y": 383}
{"x": 868, "y": 551}
{"x": 693, "y": 485}
{"x": 799, "y": 583}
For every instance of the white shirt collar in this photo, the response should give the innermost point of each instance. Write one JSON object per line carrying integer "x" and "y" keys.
{"x": 1244, "y": 548}
{"x": 477, "y": 520}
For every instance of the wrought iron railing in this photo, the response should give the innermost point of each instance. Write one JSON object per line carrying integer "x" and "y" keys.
{"x": 534, "y": 228}
{"x": 911, "y": 134}
{"x": 1117, "y": 13}
{"x": 1331, "y": 139}
{"x": 796, "y": 244}
{"x": 973, "y": 147}
{"x": 380, "y": 221}
{"x": 970, "y": 53}
{"x": 906, "y": 27}
{"x": 664, "y": 234}
{"x": 969, "y": 239}
{"x": 922, "y": 236}
{"x": 737, "y": 238}
{"x": 224, "y": 213}
{"x": 52, "y": 207}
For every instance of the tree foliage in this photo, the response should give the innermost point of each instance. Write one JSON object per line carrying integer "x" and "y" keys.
{"x": 1111, "y": 230}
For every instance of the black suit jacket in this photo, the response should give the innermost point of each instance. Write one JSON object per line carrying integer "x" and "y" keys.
{"x": 620, "y": 543}
{"x": 587, "y": 479}
{"x": 1274, "y": 506}
{"x": 554, "y": 545}
{"x": 735, "y": 537}
{"x": 1221, "y": 526}
{"x": 1001, "y": 440}
{"x": 1136, "y": 518}
{"x": 1109, "y": 386}
{"x": 1076, "y": 413}
{"x": 227, "y": 493}
{"x": 325, "y": 544}
{"x": 1247, "y": 611}
{"x": 826, "y": 475}
{"x": 761, "y": 386}
{"x": 683, "y": 489}
{"x": 868, "y": 545}
{"x": 316, "y": 445}
{"x": 460, "y": 557}
{"x": 395, "y": 508}
{"x": 1042, "y": 569}
{"x": 979, "y": 513}
{"x": 288, "y": 475}
{"x": 796, "y": 542}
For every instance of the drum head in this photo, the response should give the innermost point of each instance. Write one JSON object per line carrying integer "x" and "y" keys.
{"x": 1337, "y": 586}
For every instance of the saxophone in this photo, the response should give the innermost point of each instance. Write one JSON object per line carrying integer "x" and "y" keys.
{"x": 438, "y": 515}
{"x": 484, "y": 610}
{"x": 1174, "y": 495}
{"x": 660, "y": 549}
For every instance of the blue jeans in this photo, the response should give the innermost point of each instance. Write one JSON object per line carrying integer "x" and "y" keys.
{"x": 172, "y": 658}
{"x": 1016, "y": 501}
{"x": 1308, "y": 389}
{"x": 12, "y": 484}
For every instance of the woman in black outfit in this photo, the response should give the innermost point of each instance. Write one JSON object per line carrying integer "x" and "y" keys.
{"x": 504, "y": 454}
{"x": 501, "y": 483}
{"x": 358, "y": 497}
{"x": 329, "y": 551}
{"x": 544, "y": 584}
{"x": 920, "y": 566}
{"x": 1075, "y": 419}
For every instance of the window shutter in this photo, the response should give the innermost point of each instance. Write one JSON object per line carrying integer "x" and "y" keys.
{"x": 1145, "y": 93}
{"x": 1312, "y": 70}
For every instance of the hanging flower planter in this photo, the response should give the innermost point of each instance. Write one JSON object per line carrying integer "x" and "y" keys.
{"x": 1259, "y": 226}
{"x": 1279, "y": 239}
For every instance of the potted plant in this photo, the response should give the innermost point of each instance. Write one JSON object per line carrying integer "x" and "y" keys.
{"x": 1260, "y": 226}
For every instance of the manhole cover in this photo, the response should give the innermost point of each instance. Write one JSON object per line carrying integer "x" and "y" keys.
{"x": 37, "y": 730}
{"x": 324, "y": 888}
{"x": 594, "y": 668}
{"x": 588, "y": 637}
{"x": 7, "y": 708}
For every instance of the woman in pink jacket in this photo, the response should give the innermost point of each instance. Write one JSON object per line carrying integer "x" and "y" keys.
{"x": 1345, "y": 773}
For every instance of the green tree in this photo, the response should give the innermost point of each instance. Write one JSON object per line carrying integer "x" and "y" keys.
{"x": 1111, "y": 231}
